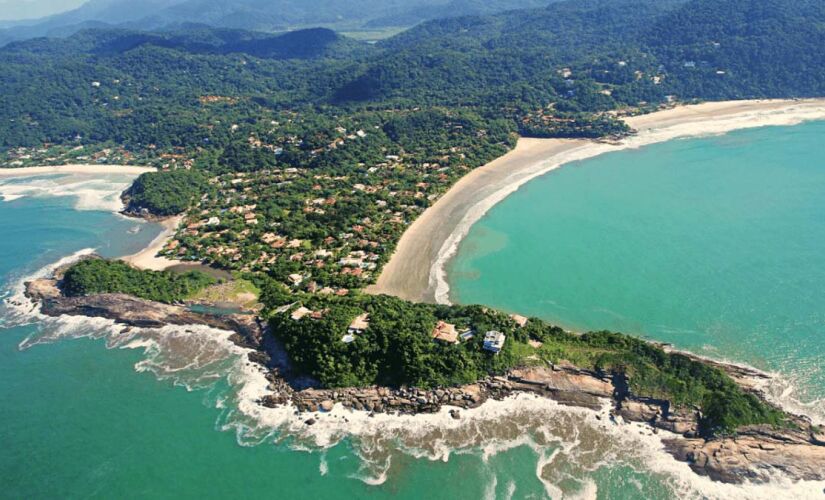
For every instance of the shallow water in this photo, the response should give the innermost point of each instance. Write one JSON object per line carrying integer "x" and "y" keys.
{"x": 88, "y": 409}
{"x": 712, "y": 244}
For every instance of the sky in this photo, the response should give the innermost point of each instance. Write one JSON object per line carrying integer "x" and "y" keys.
{"x": 29, "y": 9}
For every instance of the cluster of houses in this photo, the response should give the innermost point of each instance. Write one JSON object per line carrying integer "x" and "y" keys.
{"x": 61, "y": 155}
{"x": 442, "y": 331}
{"x": 493, "y": 339}
{"x": 269, "y": 219}
{"x": 448, "y": 333}
{"x": 231, "y": 217}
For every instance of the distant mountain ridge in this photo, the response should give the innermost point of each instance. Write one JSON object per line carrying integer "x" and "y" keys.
{"x": 257, "y": 15}
{"x": 550, "y": 69}
{"x": 307, "y": 44}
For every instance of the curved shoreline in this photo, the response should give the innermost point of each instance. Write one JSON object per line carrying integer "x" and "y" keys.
{"x": 752, "y": 459}
{"x": 148, "y": 258}
{"x": 342, "y": 420}
{"x": 417, "y": 269}
{"x": 75, "y": 169}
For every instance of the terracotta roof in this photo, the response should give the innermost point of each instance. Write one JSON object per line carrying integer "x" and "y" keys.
{"x": 445, "y": 332}
{"x": 519, "y": 319}
{"x": 360, "y": 323}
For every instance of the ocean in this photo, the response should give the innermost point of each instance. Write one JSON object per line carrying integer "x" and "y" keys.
{"x": 711, "y": 244}
{"x": 89, "y": 409}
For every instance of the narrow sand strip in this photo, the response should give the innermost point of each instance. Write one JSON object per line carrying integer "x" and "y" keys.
{"x": 75, "y": 169}
{"x": 416, "y": 270}
{"x": 148, "y": 257}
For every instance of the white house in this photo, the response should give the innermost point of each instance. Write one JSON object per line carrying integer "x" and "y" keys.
{"x": 494, "y": 341}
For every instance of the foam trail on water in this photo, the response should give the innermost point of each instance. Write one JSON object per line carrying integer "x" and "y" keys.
{"x": 490, "y": 489}
{"x": 97, "y": 193}
{"x": 570, "y": 444}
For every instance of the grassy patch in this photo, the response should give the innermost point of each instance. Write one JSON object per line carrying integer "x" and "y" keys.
{"x": 239, "y": 291}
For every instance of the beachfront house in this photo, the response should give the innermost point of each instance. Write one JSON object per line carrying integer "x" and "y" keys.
{"x": 445, "y": 332}
{"x": 520, "y": 320}
{"x": 494, "y": 341}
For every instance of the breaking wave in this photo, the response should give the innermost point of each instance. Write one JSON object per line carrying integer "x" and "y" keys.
{"x": 571, "y": 446}
{"x": 98, "y": 193}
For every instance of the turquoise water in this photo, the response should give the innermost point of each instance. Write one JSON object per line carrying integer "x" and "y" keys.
{"x": 713, "y": 244}
{"x": 727, "y": 263}
{"x": 85, "y": 412}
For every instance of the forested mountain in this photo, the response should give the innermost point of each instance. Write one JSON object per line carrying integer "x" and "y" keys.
{"x": 552, "y": 70}
{"x": 260, "y": 15}
{"x": 311, "y": 43}
{"x": 702, "y": 48}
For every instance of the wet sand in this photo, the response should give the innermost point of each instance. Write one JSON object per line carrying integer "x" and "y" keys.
{"x": 416, "y": 270}
{"x": 75, "y": 169}
{"x": 148, "y": 257}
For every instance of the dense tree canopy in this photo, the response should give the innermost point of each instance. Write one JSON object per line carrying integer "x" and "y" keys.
{"x": 96, "y": 276}
{"x": 165, "y": 193}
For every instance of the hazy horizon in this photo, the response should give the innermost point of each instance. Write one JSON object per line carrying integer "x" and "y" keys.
{"x": 19, "y": 10}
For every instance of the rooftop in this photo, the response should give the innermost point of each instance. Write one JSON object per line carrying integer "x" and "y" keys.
{"x": 519, "y": 319}
{"x": 494, "y": 341}
{"x": 360, "y": 323}
{"x": 300, "y": 313}
{"x": 445, "y": 332}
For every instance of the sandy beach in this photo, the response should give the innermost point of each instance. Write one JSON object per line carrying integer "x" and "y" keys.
{"x": 148, "y": 257}
{"x": 416, "y": 269}
{"x": 75, "y": 169}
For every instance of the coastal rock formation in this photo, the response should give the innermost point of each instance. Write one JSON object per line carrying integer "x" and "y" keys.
{"x": 136, "y": 312}
{"x": 754, "y": 454}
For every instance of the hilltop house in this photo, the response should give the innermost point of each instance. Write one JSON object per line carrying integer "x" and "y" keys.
{"x": 520, "y": 320}
{"x": 359, "y": 324}
{"x": 494, "y": 341}
{"x": 299, "y": 313}
{"x": 445, "y": 332}
{"x": 467, "y": 334}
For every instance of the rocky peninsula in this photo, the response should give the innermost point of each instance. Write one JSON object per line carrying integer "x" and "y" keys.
{"x": 754, "y": 454}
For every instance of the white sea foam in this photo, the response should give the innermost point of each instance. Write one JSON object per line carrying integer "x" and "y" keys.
{"x": 569, "y": 443}
{"x": 791, "y": 115}
{"x": 490, "y": 489}
{"x": 91, "y": 192}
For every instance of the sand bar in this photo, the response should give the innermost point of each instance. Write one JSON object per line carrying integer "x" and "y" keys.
{"x": 75, "y": 169}
{"x": 416, "y": 270}
{"x": 148, "y": 257}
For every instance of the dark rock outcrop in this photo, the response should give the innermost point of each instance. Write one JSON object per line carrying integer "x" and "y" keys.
{"x": 132, "y": 311}
{"x": 754, "y": 454}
